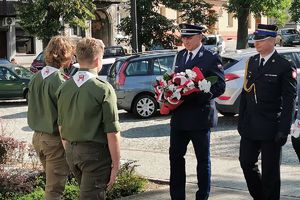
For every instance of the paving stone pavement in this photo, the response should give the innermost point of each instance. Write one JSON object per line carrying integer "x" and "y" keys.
{"x": 147, "y": 141}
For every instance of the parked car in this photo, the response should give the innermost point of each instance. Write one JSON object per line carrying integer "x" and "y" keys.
{"x": 38, "y": 63}
{"x": 109, "y": 52}
{"x": 4, "y": 61}
{"x": 106, "y": 64}
{"x": 214, "y": 43}
{"x": 114, "y": 51}
{"x": 133, "y": 78}
{"x": 234, "y": 66}
{"x": 288, "y": 37}
{"x": 251, "y": 40}
{"x": 14, "y": 81}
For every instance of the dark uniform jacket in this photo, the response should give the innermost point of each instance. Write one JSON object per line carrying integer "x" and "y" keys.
{"x": 198, "y": 110}
{"x": 274, "y": 107}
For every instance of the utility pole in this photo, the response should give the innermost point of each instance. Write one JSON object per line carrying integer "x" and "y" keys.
{"x": 133, "y": 13}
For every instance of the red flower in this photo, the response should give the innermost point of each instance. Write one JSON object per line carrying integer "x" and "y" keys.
{"x": 199, "y": 76}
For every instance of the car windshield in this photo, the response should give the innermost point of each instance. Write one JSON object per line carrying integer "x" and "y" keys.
{"x": 21, "y": 71}
{"x": 289, "y": 32}
{"x": 113, "y": 52}
{"x": 114, "y": 69}
{"x": 210, "y": 41}
{"x": 228, "y": 62}
{"x": 250, "y": 37}
{"x": 104, "y": 70}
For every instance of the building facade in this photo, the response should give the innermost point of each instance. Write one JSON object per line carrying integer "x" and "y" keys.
{"x": 226, "y": 25}
{"x": 15, "y": 42}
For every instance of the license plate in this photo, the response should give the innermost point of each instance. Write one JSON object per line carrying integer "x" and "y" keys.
{"x": 297, "y": 41}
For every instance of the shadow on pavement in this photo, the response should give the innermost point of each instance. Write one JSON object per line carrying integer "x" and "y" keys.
{"x": 15, "y": 115}
{"x": 160, "y": 130}
{"x": 27, "y": 129}
{"x": 130, "y": 117}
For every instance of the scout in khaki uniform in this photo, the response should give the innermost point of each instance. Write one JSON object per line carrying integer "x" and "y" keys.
{"x": 42, "y": 115}
{"x": 89, "y": 123}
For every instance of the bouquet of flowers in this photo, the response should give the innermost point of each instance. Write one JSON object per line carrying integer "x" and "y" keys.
{"x": 171, "y": 87}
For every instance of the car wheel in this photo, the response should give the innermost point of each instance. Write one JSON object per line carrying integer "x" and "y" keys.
{"x": 227, "y": 114}
{"x": 145, "y": 106}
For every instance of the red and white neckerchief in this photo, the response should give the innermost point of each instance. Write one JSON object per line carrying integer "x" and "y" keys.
{"x": 47, "y": 71}
{"x": 81, "y": 77}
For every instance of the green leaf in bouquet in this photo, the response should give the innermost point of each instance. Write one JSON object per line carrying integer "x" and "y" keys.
{"x": 212, "y": 79}
{"x": 167, "y": 77}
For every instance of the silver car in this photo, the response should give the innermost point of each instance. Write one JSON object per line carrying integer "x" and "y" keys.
{"x": 133, "y": 78}
{"x": 234, "y": 66}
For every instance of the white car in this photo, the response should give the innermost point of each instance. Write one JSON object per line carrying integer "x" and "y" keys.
{"x": 214, "y": 43}
{"x": 106, "y": 64}
{"x": 234, "y": 65}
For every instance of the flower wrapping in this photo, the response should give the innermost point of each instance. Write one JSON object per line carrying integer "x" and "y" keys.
{"x": 171, "y": 87}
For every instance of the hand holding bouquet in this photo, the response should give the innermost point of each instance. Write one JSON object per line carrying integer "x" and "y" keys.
{"x": 171, "y": 87}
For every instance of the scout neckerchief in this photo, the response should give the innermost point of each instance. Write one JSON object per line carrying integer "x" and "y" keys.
{"x": 82, "y": 76}
{"x": 47, "y": 71}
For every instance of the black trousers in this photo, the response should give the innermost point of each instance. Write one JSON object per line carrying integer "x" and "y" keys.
{"x": 265, "y": 186}
{"x": 178, "y": 147}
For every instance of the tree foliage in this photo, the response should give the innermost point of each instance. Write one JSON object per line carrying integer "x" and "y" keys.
{"x": 242, "y": 8}
{"x": 295, "y": 11}
{"x": 155, "y": 29}
{"x": 41, "y": 18}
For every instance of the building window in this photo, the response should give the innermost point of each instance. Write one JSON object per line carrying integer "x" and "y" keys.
{"x": 249, "y": 21}
{"x": 78, "y": 31}
{"x": 230, "y": 19}
{"x": 24, "y": 42}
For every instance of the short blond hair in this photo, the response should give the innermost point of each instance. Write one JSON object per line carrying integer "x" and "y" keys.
{"x": 59, "y": 51}
{"x": 87, "y": 49}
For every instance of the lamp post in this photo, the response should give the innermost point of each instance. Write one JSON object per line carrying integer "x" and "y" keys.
{"x": 133, "y": 13}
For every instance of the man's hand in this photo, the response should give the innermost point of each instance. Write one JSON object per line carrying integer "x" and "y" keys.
{"x": 113, "y": 177}
{"x": 114, "y": 149}
{"x": 281, "y": 138}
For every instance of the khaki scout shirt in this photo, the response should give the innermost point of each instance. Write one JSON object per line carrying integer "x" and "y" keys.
{"x": 42, "y": 102}
{"x": 87, "y": 111}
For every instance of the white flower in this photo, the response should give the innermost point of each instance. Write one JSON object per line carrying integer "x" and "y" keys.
{"x": 190, "y": 85}
{"x": 190, "y": 74}
{"x": 176, "y": 94}
{"x": 171, "y": 87}
{"x": 204, "y": 85}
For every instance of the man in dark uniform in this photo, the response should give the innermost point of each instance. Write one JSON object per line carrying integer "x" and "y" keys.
{"x": 192, "y": 120}
{"x": 266, "y": 112}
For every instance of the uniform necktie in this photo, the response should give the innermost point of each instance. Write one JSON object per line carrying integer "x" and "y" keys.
{"x": 261, "y": 64}
{"x": 190, "y": 57}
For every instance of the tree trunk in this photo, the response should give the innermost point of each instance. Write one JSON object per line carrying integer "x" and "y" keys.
{"x": 45, "y": 42}
{"x": 242, "y": 34}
